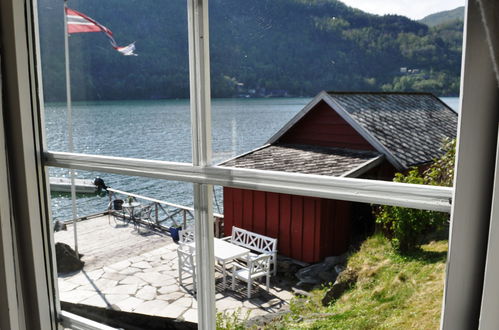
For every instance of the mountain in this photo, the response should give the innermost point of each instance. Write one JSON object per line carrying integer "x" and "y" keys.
{"x": 258, "y": 48}
{"x": 444, "y": 17}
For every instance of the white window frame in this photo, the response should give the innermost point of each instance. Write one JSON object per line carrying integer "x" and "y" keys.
{"x": 489, "y": 318}
{"x": 474, "y": 178}
{"x": 26, "y": 264}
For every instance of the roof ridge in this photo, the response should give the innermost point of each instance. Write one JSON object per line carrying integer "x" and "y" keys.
{"x": 328, "y": 147}
{"x": 381, "y": 93}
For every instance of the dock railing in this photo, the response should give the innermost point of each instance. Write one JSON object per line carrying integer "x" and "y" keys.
{"x": 159, "y": 214}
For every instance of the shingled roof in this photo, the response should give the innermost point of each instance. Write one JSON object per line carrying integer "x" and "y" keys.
{"x": 307, "y": 159}
{"x": 411, "y": 126}
{"x": 408, "y": 128}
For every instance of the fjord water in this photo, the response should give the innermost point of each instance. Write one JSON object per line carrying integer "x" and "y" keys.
{"x": 159, "y": 130}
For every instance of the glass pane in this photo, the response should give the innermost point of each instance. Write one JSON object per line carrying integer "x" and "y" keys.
{"x": 122, "y": 105}
{"x": 129, "y": 242}
{"x": 359, "y": 272}
{"x": 317, "y": 87}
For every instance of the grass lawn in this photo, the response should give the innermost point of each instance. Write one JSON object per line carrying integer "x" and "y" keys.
{"x": 391, "y": 292}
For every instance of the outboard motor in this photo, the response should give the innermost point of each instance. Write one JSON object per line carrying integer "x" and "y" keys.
{"x": 99, "y": 183}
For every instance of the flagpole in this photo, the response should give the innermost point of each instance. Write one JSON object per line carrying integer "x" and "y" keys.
{"x": 70, "y": 127}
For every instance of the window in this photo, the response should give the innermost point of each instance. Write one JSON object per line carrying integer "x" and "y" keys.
{"x": 26, "y": 270}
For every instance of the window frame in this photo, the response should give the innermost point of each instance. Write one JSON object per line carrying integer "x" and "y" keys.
{"x": 489, "y": 318}
{"x": 29, "y": 270}
{"x": 474, "y": 178}
{"x": 27, "y": 239}
{"x": 433, "y": 198}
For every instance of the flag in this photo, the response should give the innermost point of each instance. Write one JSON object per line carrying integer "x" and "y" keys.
{"x": 81, "y": 23}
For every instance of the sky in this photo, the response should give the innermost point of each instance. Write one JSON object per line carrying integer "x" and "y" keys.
{"x": 415, "y": 9}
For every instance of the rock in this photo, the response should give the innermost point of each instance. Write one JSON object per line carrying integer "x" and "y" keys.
{"x": 310, "y": 274}
{"x": 283, "y": 266}
{"x": 335, "y": 260}
{"x": 299, "y": 292}
{"x": 339, "y": 268}
{"x": 328, "y": 277}
{"x": 262, "y": 320}
{"x": 305, "y": 286}
{"x": 345, "y": 281}
{"x": 67, "y": 261}
{"x": 286, "y": 266}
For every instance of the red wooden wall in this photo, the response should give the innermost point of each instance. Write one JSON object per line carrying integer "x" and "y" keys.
{"x": 307, "y": 228}
{"x": 322, "y": 126}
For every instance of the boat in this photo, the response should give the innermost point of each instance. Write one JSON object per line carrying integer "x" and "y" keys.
{"x": 82, "y": 186}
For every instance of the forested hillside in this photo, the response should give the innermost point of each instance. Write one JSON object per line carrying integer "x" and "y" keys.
{"x": 258, "y": 48}
{"x": 456, "y": 14}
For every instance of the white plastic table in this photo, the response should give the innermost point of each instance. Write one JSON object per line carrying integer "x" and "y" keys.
{"x": 225, "y": 252}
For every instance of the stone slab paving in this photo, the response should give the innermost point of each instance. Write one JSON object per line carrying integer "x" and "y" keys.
{"x": 148, "y": 284}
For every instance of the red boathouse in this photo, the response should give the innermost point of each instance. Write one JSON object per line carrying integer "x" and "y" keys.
{"x": 365, "y": 135}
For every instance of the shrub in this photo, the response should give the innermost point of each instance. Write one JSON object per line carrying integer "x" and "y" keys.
{"x": 404, "y": 226}
{"x": 231, "y": 320}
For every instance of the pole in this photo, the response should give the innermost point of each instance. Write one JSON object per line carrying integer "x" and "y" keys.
{"x": 70, "y": 126}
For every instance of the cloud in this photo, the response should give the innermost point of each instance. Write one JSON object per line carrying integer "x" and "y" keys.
{"x": 410, "y": 8}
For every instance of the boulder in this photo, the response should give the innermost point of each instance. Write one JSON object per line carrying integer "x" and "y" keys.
{"x": 264, "y": 319}
{"x": 344, "y": 282}
{"x": 335, "y": 260}
{"x": 339, "y": 268}
{"x": 316, "y": 274}
{"x": 286, "y": 267}
{"x": 67, "y": 261}
{"x": 299, "y": 292}
{"x": 283, "y": 266}
{"x": 327, "y": 277}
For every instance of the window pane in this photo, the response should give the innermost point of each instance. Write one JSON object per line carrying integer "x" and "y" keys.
{"x": 317, "y": 87}
{"x": 129, "y": 242}
{"x": 123, "y": 105}
{"x": 265, "y": 80}
{"x": 375, "y": 282}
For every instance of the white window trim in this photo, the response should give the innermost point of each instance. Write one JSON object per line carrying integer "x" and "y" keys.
{"x": 489, "y": 318}
{"x": 351, "y": 189}
{"x": 77, "y": 322}
{"x": 475, "y": 165}
{"x": 9, "y": 273}
{"x": 199, "y": 71}
{"x": 35, "y": 303}
{"x": 24, "y": 233}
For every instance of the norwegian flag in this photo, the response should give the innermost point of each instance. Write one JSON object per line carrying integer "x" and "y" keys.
{"x": 81, "y": 23}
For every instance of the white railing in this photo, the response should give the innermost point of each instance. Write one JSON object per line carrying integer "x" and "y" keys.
{"x": 162, "y": 212}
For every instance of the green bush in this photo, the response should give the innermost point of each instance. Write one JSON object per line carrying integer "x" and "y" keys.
{"x": 231, "y": 320}
{"x": 405, "y": 227}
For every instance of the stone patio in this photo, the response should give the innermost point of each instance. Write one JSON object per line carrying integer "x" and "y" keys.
{"x": 147, "y": 282}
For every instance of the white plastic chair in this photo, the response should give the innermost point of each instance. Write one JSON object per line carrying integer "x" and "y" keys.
{"x": 186, "y": 236}
{"x": 256, "y": 268}
{"x": 255, "y": 242}
{"x": 186, "y": 263}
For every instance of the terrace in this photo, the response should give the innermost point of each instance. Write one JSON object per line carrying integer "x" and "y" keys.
{"x": 135, "y": 270}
